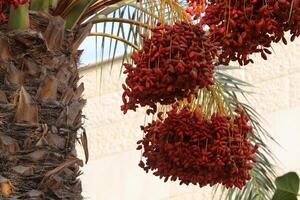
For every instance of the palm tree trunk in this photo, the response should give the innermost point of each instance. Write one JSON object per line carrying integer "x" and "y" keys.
{"x": 40, "y": 110}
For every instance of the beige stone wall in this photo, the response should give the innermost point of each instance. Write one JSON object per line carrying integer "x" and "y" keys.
{"x": 113, "y": 174}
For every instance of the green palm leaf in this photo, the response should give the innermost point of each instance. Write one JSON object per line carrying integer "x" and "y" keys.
{"x": 261, "y": 186}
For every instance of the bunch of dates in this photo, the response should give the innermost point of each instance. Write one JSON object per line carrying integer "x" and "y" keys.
{"x": 244, "y": 27}
{"x": 173, "y": 62}
{"x": 193, "y": 148}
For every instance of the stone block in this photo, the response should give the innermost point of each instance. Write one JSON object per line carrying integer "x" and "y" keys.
{"x": 118, "y": 177}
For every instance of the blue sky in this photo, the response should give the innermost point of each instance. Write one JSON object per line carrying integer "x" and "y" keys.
{"x": 92, "y": 48}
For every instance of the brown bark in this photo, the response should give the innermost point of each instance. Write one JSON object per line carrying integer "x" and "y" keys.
{"x": 40, "y": 111}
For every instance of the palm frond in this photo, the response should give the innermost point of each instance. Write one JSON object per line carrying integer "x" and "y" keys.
{"x": 261, "y": 186}
{"x": 114, "y": 37}
{"x": 76, "y": 12}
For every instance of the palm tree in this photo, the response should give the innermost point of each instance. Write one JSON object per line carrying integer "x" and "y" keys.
{"x": 40, "y": 98}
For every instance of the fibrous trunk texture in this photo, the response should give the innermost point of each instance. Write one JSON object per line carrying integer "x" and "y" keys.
{"x": 40, "y": 111}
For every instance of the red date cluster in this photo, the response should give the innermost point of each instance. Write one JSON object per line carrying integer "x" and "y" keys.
{"x": 287, "y": 14}
{"x": 199, "y": 150}
{"x": 2, "y": 16}
{"x": 195, "y": 8}
{"x": 172, "y": 63}
{"x": 245, "y": 27}
{"x": 15, "y": 3}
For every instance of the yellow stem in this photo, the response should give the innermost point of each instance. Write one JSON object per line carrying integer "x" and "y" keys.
{"x": 129, "y": 21}
{"x": 116, "y": 38}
